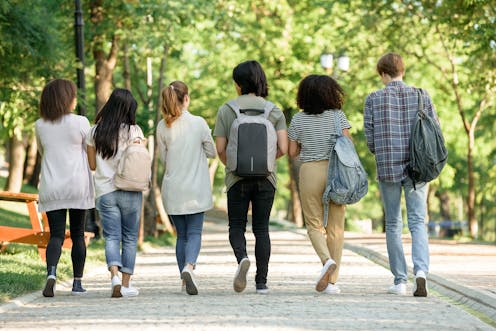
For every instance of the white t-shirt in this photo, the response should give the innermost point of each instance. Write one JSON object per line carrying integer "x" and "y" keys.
{"x": 65, "y": 179}
{"x": 184, "y": 148}
{"x": 106, "y": 168}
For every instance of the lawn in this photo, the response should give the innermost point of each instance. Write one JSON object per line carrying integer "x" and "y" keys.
{"x": 21, "y": 268}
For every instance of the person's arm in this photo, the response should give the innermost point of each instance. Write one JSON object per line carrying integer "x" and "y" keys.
{"x": 38, "y": 142}
{"x": 346, "y": 132}
{"x": 294, "y": 148}
{"x": 221, "y": 144}
{"x": 91, "y": 156}
{"x": 208, "y": 143}
{"x": 368, "y": 124}
{"x": 162, "y": 148}
{"x": 282, "y": 143}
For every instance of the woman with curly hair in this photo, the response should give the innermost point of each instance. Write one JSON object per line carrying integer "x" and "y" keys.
{"x": 312, "y": 135}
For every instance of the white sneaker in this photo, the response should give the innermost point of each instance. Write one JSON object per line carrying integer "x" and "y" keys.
{"x": 420, "y": 284}
{"x": 116, "y": 287}
{"x": 398, "y": 289}
{"x": 129, "y": 291}
{"x": 327, "y": 270}
{"x": 189, "y": 278}
{"x": 332, "y": 289}
{"x": 239, "y": 282}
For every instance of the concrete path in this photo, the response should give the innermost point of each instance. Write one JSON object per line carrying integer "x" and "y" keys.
{"x": 292, "y": 303}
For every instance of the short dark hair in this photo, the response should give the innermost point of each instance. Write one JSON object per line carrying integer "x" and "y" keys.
{"x": 56, "y": 99}
{"x": 317, "y": 93}
{"x": 391, "y": 64}
{"x": 250, "y": 77}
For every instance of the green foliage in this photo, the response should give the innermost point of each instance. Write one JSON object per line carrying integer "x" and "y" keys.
{"x": 444, "y": 44}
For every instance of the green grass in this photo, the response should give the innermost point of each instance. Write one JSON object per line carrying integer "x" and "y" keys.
{"x": 23, "y": 271}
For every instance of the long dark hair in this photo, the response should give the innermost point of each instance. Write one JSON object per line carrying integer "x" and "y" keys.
{"x": 250, "y": 77}
{"x": 119, "y": 110}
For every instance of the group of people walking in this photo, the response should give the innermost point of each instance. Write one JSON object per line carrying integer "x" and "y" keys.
{"x": 79, "y": 163}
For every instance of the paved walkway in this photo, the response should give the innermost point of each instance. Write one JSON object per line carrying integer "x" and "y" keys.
{"x": 292, "y": 303}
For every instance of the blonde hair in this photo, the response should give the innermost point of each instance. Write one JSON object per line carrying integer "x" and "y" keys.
{"x": 173, "y": 100}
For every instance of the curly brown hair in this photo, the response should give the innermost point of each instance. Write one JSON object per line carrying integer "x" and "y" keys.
{"x": 317, "y": 93}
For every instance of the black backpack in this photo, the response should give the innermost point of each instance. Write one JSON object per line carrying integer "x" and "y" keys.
{"x": 428, "y": 153}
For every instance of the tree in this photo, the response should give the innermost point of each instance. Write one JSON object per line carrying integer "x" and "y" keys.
{"x": 461, "y": 50}
{"x": 30, "y": 45}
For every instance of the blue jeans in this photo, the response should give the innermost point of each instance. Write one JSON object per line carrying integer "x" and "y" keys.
{"x": 120, "y": 214}
{"x": 416, "y": 209}
{"x": 189, "y": 231}
{"x": 260, "y": 192}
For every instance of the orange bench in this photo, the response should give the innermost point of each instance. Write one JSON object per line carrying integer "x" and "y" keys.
{"x": 39, "y": 234}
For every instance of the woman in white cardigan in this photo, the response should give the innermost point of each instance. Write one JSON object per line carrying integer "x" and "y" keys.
{"x": 185, "y": 142}
{"x": 66, "y": 184}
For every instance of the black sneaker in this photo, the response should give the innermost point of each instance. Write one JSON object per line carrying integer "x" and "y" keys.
{"x": 262, "y": 289}
{"x": 77, "y": 288}
{"x": 49, "y": 290}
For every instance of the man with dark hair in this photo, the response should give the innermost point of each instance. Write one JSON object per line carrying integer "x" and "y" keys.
{"x": 389, "y": 114}
{"x": 251, "y": 86}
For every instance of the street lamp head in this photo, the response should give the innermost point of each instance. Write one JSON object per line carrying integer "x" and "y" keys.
{"x": 326, "y": 61}
{"x": 344, "y": 63}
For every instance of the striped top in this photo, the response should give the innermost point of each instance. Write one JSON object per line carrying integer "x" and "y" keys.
{"x": 388, "y": 118}
{"x": 316, "y": 133}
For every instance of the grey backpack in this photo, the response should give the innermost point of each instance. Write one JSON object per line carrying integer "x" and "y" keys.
{"x": 134, "y": 167}
{"x": 252, "y": 143}
{"x": 346, "y": 178}
{"x": 428, "y": 153}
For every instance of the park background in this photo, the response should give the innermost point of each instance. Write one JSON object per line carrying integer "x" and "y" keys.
{"x": 449, "y": 47}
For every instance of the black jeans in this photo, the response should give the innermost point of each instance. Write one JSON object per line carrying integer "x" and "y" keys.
{"x": 260, "y": 192}
{"x": 57, "y": 221}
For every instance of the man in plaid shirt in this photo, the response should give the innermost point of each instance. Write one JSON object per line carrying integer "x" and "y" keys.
{"x": 389, "y": 114}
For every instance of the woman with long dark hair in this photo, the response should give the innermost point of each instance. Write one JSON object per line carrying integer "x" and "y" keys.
{"x": 119, "y": 210}
{"x": 65, "y": 179}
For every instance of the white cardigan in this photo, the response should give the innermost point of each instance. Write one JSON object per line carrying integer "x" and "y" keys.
{"x": 184, "y": 148}
{"x": 65, "y": 179}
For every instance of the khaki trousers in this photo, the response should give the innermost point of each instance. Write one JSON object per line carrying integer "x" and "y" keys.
{"x": 327, "y": 242}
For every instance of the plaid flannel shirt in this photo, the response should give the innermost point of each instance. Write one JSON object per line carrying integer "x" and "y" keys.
{"x": 388, "y": 118}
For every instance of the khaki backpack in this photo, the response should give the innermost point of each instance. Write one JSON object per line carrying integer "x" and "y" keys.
{"x": 134, "y": 168}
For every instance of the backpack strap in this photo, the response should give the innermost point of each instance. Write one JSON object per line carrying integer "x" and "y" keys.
{"x": 337, "y": 125}
{"x": 234, "y": 106}
{"x": 268, "y": 108}
{"x": 421, "y": 111}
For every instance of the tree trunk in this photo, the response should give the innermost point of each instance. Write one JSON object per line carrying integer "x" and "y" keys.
{"x": 295, "y": 213}
{"x": 16, "y": 164}
{"x": 154, "y": 203}
{"x": 104, "y": 63}
{"x": 30, "y": 162}
{"x": 472, "y": 220}
{"x": 127, "y": 70}
{"x": 444, "y": 205}
{"x": 35, "y": 177}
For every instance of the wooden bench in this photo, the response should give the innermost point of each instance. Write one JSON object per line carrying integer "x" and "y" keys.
{"x": 39, "y": 234}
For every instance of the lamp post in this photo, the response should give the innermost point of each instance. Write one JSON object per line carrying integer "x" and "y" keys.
{"x": 78, "y": 29}
{"x": 327, "y": 62}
